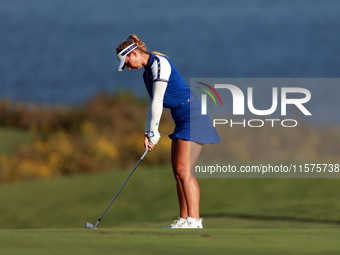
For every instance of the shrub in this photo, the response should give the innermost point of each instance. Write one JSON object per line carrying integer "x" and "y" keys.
{"x": 106, "y": 133}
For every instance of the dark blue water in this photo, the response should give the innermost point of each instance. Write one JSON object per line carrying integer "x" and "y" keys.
{"x": 63, "y": 52}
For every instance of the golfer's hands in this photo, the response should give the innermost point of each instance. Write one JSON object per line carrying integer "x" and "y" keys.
{"x": 154, "y": 136}
{"x": 148, "y": 143}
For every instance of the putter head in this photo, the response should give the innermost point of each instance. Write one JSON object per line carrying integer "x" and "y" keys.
{"x": 89, "y": 225}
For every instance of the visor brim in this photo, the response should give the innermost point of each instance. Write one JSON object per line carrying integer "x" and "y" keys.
{"x": 122, "y": 64}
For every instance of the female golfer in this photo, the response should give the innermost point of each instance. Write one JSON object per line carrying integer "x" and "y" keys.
{"x": 166, "y": 88}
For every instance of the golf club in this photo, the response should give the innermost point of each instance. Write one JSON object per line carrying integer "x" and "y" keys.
{"x": 89, "y": 225}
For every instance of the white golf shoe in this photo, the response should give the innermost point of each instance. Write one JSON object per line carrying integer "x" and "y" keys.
{"x": 187, "y": 223}
{"x": 180, "y": 223}
{"x": 194, "y": 223}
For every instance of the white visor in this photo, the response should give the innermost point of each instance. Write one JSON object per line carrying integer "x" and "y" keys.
{"x": 122, "y": 55}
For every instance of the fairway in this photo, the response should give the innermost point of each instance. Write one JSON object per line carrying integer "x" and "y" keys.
{"x": 241, "y": 216}
{"x": 158, "y": 241}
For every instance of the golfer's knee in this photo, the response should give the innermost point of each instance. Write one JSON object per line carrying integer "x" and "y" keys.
{"x": 182, "y": 173}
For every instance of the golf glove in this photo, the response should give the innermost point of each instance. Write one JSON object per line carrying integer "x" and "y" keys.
{"x": 154, "y": 136}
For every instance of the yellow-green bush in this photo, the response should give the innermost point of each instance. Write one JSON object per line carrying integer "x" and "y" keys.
{"x": 106, "y": 133}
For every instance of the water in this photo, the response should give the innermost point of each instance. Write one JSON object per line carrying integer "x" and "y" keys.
{"x": 63, "y": 52}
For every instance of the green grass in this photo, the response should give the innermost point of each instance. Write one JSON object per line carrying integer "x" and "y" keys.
{"x": 158, "y": 241}
{"x": 150, "y": 196}
{"x": 10, "y": 138}
{"x": 241, "y": 216}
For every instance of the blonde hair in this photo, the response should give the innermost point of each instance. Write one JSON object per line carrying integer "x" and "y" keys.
{"x": 133, "y": 38}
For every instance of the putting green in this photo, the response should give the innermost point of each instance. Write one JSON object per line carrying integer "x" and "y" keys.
{"x": 159, "y": 241}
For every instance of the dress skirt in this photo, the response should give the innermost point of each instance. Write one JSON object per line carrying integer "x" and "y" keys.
{"x": 191, "y": 125}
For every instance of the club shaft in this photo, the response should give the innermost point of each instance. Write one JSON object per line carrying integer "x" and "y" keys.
{"x": 141, "y": 158}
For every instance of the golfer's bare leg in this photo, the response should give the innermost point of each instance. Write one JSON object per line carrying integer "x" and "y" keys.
{"x": 180, "y": 192}
{"x": 185, "y": 155}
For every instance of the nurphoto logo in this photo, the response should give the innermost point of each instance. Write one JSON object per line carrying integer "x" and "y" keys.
{"x": 280, "y": 99}
{"x": 269, "y": 127}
